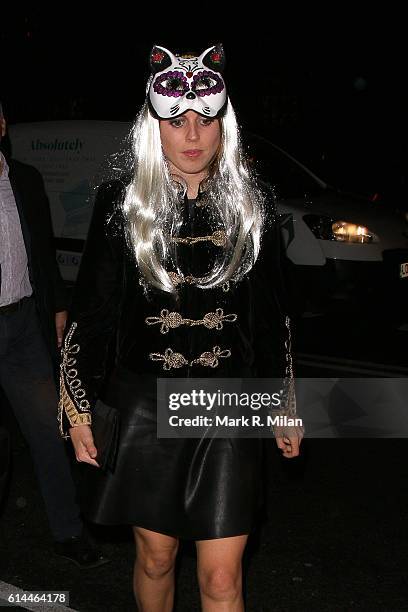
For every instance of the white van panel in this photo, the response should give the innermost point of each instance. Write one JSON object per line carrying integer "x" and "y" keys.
{"x": 73, "y": 157}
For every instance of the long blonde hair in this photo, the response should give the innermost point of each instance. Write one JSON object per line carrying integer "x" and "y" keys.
{"x": 153, "y": 213}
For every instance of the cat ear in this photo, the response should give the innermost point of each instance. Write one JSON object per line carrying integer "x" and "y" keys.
{"x": 214, "y": 58}
{"x": 160, "y": 59}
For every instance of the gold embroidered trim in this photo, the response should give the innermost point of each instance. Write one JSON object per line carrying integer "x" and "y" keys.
{"x": 65, "y": 403}
{"x": 211, "y": 359}
{"x": 177, "y": 360}
{"x": 179, "y": 279}
{"x": 74, "y": 417}
{"x": 171, "y": 359}
{"x": 171, "y": 320}
{"x": 72, "y": 399}
{"x": 218, "y": 238}
{"x": 168, "y": 320}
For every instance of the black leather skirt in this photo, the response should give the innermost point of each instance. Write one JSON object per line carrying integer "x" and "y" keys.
{"x": 195, "y": 489}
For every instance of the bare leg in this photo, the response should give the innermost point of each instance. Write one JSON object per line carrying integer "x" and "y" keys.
{"x": 153, "y": 578}
{"x": 219, "y": 571}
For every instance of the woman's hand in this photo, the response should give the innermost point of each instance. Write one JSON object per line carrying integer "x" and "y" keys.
{"x": 60, "y": 323}
{"x": 84, "y": 446}
{"x": 289, "y": 445}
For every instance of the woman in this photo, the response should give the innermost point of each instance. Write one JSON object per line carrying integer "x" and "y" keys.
{"x": 174, "y": 270}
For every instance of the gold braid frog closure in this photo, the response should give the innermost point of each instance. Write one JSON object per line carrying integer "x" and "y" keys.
{"x": 171, "y": 320}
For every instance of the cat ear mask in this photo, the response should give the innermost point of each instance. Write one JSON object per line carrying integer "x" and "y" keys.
{"x": 187, "y": 82}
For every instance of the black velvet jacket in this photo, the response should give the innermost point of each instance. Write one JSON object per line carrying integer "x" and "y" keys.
{"x": 237, "y": 330}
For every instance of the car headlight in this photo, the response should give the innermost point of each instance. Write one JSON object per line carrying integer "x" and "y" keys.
{"x": 326, "y": 228}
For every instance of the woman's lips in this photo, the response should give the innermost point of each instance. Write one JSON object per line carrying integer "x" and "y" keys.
{"x": 193, "y": 153}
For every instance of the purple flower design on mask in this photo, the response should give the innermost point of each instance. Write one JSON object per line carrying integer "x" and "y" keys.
{"x": 206, "y": 83}
{"x": 172, "y": 83}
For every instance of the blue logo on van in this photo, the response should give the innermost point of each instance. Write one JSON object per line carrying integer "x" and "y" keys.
{"x": 57, "y": 145}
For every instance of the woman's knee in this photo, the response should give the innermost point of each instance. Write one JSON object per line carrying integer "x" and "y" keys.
{"x": 219, "y": 567}
{"x": 156, "y": 554}
{"x": 157, "y": 564}
{"x": 220, "y": 583}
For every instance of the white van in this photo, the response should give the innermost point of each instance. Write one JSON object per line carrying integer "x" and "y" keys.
{"x": 73, "y": 157}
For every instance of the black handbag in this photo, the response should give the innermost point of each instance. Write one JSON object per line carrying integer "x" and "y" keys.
{"x": 105, "y": 430}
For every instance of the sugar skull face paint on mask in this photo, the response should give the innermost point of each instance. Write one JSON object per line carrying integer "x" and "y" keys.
{"x": 183, "y": 83}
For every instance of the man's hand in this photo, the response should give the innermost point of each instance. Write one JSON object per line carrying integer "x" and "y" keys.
{"x": 60, "y": 322}
{"x": 289, "y": 445}
{"x": 84, "y": 446}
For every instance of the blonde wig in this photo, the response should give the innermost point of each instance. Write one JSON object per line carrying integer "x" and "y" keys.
{"x": 153, "y": 206}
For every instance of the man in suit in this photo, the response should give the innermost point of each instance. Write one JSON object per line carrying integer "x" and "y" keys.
{"x": 32, "y": 320}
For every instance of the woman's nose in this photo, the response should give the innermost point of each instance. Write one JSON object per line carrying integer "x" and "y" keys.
{"x": 192, "y": 132}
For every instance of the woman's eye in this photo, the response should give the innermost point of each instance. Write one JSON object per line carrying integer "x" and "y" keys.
{"x": 204, "y": 83}
{"x": 176, "y": 122}
{"x": 207, "y": 121}
{"x": 174, "y": 84}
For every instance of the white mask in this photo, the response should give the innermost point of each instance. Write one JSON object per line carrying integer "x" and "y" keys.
{"x": 183, "y": 83}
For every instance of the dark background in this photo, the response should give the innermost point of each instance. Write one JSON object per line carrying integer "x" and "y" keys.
{"x": 329, "y": 87}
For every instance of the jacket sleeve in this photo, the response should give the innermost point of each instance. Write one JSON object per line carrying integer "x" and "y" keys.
{"x": 273, "y": 326}
{"x": 93, "y": 315}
